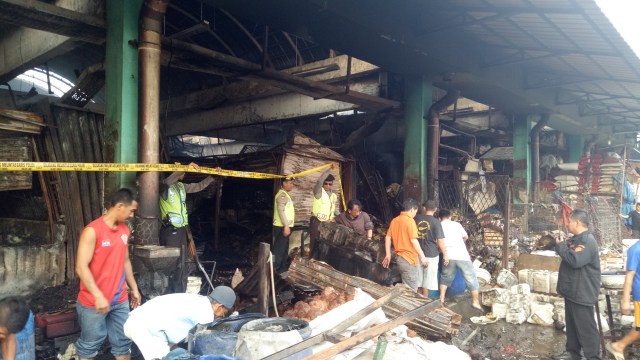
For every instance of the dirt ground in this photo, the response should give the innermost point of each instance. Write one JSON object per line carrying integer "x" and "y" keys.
{"x": 502, "y": 340}
{"x": 499, "y": 340}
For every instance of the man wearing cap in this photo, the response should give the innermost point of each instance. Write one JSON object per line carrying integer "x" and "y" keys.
{"x": 173, "y": 212}
{"x": 164, "y": 321}
{"x": 283, "y": 218}
{"x": 323, "y": 208}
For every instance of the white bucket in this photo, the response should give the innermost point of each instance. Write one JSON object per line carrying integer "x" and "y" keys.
{"x": 484, "y": 277}
{"x": 506, "y": 279}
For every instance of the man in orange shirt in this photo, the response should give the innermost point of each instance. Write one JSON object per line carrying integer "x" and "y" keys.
{"x": 404, "y": 233}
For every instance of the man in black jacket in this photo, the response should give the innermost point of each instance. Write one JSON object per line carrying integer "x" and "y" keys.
{"x": 579, "y": 284}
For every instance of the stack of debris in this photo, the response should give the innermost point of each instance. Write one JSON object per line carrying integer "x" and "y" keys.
{"x": 440, "y": 323}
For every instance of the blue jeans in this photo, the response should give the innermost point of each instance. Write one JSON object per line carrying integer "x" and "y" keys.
{"x": 94, "y": 328}
{"x": 468, "y": 272}
{"x": 26, "y": 344}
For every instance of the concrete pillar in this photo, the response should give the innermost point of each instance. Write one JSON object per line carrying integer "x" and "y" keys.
{"x": 121, "y": 103}
{"x": 521, "y": 157}
{"x": 418, "y": 97}
{"x": 575, "y": 143}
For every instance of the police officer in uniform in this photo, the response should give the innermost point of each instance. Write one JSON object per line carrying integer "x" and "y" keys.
{"x": 175, "y": 222}
{"x": 283, "y": 218}
{"x": 323, "y": 208}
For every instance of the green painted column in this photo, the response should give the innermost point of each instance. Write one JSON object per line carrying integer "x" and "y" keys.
{"x": 521, "y": 158}
{"x": 575, "y": 143}
{"x": 418, "y": 97}
{"x": 121, "y": 102}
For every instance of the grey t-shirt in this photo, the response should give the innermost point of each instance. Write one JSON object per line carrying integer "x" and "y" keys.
{"x": 429, "y": 231}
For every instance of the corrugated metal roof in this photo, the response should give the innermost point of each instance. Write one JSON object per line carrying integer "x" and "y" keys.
{"x": 571, "y": 47}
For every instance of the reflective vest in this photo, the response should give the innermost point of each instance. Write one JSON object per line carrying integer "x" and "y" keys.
{"x": 174, "y": 207}
{"x": 324, "y": 207}
{"x": 289, "y": 210}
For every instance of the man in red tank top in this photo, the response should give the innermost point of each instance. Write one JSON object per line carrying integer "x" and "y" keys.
{"x": 103, "y": 266}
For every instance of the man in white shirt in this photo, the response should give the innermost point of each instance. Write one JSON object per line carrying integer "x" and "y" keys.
{"x": 455, "y": 256}
{"x": 166, "y": 320}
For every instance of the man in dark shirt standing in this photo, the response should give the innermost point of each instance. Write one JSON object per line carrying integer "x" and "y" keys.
{"x": 635, "y": 221}
{"x": 579, "y": 284}
{"x": 431, "y": 237}
{"x": 356, "y": 219}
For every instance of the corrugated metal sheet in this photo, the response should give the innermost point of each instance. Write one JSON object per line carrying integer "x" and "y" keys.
{"x": 570, "y": 43}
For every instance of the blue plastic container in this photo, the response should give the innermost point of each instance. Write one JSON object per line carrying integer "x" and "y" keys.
{"x": 457, "y": 286}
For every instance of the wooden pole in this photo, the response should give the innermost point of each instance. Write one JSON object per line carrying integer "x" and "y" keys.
{"x": 507, "y": 218}
{"x": 263, "y": 276}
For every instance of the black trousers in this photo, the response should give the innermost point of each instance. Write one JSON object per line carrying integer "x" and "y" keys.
{"x": 314, "y": 235}
{"x": 280, "y": 250}
{"x": 177, "y": 237}
{"x": 582, "y": 331}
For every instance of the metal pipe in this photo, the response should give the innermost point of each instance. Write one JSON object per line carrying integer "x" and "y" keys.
{"x": 535, "y": 154}
{"x": 149, "y": 48}
{"x": 433, "y": 138}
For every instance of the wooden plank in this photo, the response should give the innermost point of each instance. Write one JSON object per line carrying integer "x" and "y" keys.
{"x": 263, "y": 278}
{"x": 95, "y": 129}
{"x": 373, "y": 332}
{"x": 24, "y": 116}
{"x": 45, "y": 194}
{"x": 55, "y": 153}
{"x": 86, "y": 155}
{"x": 72, "y": 120}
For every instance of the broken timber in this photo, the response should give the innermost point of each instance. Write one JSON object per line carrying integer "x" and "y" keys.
{"x": 440, "y": 323}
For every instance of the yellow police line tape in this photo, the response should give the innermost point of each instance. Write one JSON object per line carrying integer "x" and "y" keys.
{"x": 62, "y": 166}
{"x": 127, "y": 167}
